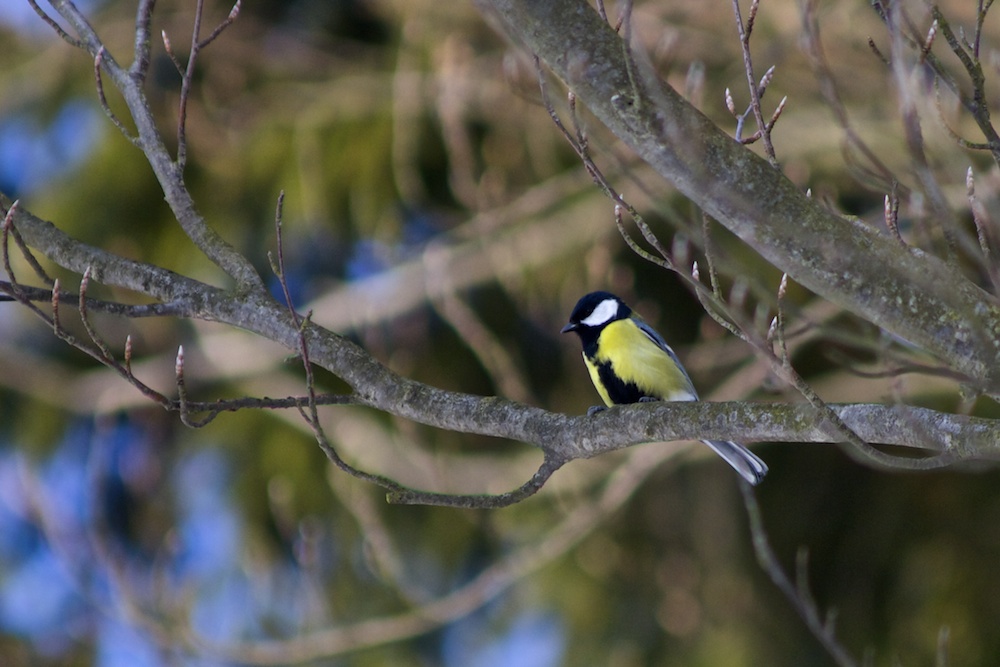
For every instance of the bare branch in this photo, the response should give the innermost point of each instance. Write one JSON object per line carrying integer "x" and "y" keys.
{"x": 165, "y": 169}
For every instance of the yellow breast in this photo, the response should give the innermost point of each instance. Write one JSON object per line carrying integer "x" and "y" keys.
{"x": 635, "y": 358}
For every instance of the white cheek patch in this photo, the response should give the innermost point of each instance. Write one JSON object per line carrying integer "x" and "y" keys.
{"x": 606, "y": 311}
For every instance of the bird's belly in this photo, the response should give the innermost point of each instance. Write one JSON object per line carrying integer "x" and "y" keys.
{"x": 649, "y": 382}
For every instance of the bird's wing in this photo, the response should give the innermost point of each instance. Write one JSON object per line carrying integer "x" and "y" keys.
{"x": 654, "y": 336}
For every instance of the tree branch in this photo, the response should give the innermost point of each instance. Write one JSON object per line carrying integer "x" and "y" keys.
{"x": 167, "y": 171}
{"x": 562, "y": 437}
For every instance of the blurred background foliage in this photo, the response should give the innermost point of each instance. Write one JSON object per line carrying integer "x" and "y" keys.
{"x": 434, "y": 214}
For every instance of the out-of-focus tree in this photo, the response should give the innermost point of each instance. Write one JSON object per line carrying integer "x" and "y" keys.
{"x": 434, "y": 230}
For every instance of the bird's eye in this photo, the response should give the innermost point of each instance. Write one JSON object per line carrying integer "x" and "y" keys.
{"x": 602, "y": 314}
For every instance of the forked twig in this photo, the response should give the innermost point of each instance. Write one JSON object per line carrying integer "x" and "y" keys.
{"x": 187, "y": 78}
{"x": 756, "y": 91}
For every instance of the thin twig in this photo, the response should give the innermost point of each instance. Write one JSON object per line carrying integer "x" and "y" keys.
{"x": 5, "y": 231}
{"x": 602, "y": 11}
{"x": 56, "y": 327}
{"x": 38, "y": 294}
{"x": 980, "y": 19}
{"x": 127, "y": 361}
{"x": 187, "y": 79}
{"x": 980, "y": 218}
{"x": 891, "y": 215}
{"x": 804, "y": 605}
{"x": 625, "y": 25}
{"x": 946, "y": 123}
{"x": 480, "y": 501}
{"x": 928, "y": 44}
{"x": 168, "y": 47}
{"x": 98, "y": 61}
{"x": 23, "y": 247}
{"x": 228, "y": 21}
{"x": 102, "y": 354}
{"x": 105, "y": 351}
{"x": 744, "y": 32}
{"x": 713, "y": 276}
{"x": 181, "y": 387}
{"x": 72, "y": 41}
{"x": 279, "y": 268}
{"x": 779, "y": 323}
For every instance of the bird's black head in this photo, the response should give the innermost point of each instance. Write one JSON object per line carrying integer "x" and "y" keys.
{"x": 593, "y": 312}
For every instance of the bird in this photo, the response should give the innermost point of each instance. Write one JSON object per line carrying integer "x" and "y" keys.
{"x": 629, "y": 362}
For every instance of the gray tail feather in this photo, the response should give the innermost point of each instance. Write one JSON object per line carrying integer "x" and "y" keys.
{"x": 746, "y": 463}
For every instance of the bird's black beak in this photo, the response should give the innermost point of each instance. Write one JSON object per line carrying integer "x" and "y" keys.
{"x": 569, "y": 327}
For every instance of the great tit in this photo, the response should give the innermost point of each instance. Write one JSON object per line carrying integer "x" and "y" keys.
{"x": 630, "y": 363}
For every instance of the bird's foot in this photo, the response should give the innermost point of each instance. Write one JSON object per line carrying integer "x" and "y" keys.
{"x": 594, "y": 409}
{"x": 648, "y": 399}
